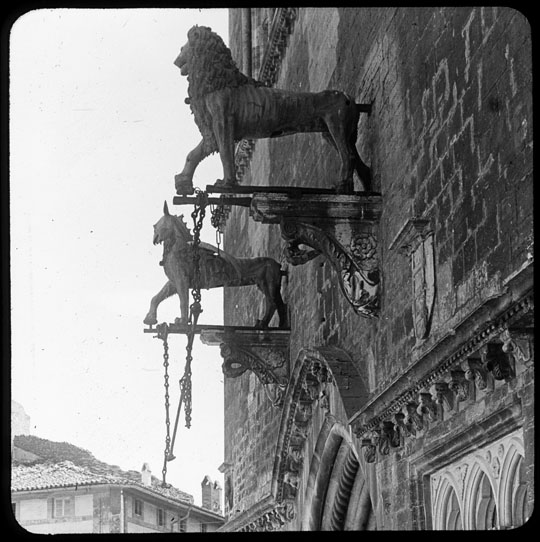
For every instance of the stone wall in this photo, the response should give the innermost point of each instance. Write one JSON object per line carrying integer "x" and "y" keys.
{"x": 449, "y": 139}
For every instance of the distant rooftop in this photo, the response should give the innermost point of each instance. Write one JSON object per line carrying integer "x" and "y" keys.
{"x": 60, "y": 464}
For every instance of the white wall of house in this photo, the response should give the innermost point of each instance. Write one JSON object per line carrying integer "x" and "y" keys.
{"x": 63, "y": 527}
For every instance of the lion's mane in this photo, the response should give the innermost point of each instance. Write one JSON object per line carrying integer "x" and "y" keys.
{"x": 210, "y": 68}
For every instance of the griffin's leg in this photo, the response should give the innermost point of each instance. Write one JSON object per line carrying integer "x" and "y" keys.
{"x": 183, "y": 182}
{"x": 165, "y": 292}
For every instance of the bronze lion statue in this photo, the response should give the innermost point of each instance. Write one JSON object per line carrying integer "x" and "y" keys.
{"x": 216, "y": 269}
{"x": 229, "y": 106}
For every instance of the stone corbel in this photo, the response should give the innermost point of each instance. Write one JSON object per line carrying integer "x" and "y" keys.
{"x": 498, "y": 362}
{"x": 459, "y": 385}
{"x": 477, "y": 373}
{"x": 444, "y": 395}
{"x": 369, "y": 449}
{"x": 405, "y": 426}
{"x": 388, "y": 437}
{"x": 519, "y": 343}
{"x": 340, "y": 228}
{"x": 427, "y": 407}
{"x": 265, "y": 353}
{"x": 414, "y": 418}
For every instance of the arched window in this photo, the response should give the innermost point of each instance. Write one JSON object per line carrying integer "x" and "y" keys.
{"x": 452, "y": 514}
{"x": 513, "y": 492}
{"x": 446, "y": 509}
{"x": 484, "y": 507}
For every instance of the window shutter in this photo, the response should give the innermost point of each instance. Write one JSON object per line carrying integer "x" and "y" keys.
{"x": 50, "y": 508}
{"x": 69, "y": 508}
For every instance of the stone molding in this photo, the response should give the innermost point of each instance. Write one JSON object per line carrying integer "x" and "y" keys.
{"x": 307, "y": 387}
{"x": 490, "y": 354}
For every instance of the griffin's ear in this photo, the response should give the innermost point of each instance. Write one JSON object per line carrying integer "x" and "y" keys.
{"x": 166, "y": 209}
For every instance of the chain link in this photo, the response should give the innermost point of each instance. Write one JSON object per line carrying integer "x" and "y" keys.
{"x": 162, "y": 330}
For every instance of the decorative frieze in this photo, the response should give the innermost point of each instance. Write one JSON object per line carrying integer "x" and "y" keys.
{"x": 491, "y": 355}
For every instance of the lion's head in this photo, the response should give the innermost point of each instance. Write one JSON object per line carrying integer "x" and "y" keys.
{"x": 208, "y": 63}
{"x": 209, "y": 67}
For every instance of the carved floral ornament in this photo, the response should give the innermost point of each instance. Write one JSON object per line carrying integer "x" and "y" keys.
{"x": 272, "y": 520}
{"x": 499, "y": 350}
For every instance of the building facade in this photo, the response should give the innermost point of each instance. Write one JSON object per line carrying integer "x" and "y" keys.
{"x": 420, "y": 416}
{"x": 83, "y": 495}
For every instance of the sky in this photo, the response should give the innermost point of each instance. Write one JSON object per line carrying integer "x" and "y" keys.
{"x": 98, "y": 129}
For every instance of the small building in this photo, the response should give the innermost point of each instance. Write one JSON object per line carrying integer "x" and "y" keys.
{"x": 84, "y": 495}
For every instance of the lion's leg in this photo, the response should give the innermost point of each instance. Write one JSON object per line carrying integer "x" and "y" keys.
{"x": 338, "y": 133}
{"x": 183, "y": 182}
{"x": 165, "y": 292}
{"x": 223, "y": 125}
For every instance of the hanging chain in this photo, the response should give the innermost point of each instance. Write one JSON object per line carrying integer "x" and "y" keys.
{"x": 195, "y": 308}
{"x": 162, "y": 330}
{"x": 220, "y": 213}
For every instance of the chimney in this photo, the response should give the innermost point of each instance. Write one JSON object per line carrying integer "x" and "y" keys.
{"x": 211, "y": 495}
{"x": 146, "y": 475}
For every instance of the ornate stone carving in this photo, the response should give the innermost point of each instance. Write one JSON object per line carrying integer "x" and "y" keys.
{"x": 480, "y": 361}
{"x": 459, "y": 384}
{"x": 216, "y": 269}
{"x": 427, "y": 406}
{"x": 272, "y": 520}
{"x": 341, "y": 228}
{"x": 406, "y": 427}
{"x": 444, "y": 395}
{"x": 265, "y": 353}
{"x": 229, "y": 106}
{"x": 519, "y": 343}
{"x": 477, "y": 373}
{"x": 414, "y": 418}
{"x": 370, "y": 451}
{"x": 497, "y": 361}
{"x": 306, "y": 388}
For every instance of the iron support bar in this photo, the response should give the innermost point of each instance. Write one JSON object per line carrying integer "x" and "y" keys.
{"x": 186, "y": 328}
{"x": 232, "y": 200}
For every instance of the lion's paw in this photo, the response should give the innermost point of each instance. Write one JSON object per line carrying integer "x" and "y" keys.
{"x": 183, "y": 185}
{"x": 150, "y": 320}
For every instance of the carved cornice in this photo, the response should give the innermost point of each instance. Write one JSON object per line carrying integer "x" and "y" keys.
{"x": 282, "y": 26}
{"x": 490, "y": 354}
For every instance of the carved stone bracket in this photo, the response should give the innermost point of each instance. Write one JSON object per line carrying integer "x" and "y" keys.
{"x": 341, "y": 228}
{"x": 498, "y": 362}
{"x": 519, "y": 343}
{"x": 264, "y": 352}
